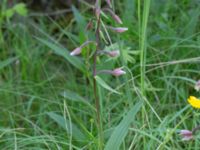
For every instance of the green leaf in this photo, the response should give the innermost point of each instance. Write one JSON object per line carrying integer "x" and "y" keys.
{"x": 21, "y": 9}
{"x": 105, "y": 85}
{"x": 9, "y": 13}
{"x": 76, "y": 98}
{"x": 81, "y": 24}
{"x": 121, "y": 130}
{"x": 64, "y": 53}
{"x": 6, "y": 62}
{"x": 65, "y": 124}
{"x": 72, "y": 96}
{"x": 79, "y": 18}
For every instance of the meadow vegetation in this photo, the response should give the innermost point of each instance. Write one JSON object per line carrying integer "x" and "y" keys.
{"x": 46, "y": 95}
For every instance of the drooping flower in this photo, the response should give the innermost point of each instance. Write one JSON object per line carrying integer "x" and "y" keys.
{"x": 89, "y": 25}
{"x": 114, "y": 16}
{"x": 76, "y": 51}
{"x": 109, "y": 3}
{"x": 117, "y": 19}
{"x": 118, "y": 72}
{"x": 197, "y": 85}
{"x": 194, "y": 102}
{"x": 97, "y": 12}
{"x": 119, "y": 29}
{"x": 113, "y": 53}
{"x": 186, "y": 134}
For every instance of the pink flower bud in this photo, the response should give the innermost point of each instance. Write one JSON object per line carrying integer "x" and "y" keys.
{"x": 118, "y": 29}
{"x": 114, "y": 53}
{"x": 109, "y": 3}
{"x": 118, "y": 72}
{"x": 186, "y": 134}
{"x": 197, "y": 85}
{"x": 114, "y": 16}
{"x": 97, "y": 12}
{"x": 76, "y": 51}
{"x": 117, "y": 19}
{"x": 89, "y": 25}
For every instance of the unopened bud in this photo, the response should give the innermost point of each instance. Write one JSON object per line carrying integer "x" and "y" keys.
{"x": 117, "y": 19}
{"x": 114, "y": 53}
{"x": 97, "y": 12}
{"x": 114, "y": 16}
{"x": 118, "y": 29}
{"x": 197, "y": 85}
{"x": 109, "y": 3}
{"x": 76, "y": 51}
{"x": 89, "y": 25}
{"x": 186, "y": 134}
{"x": 118, "y": 72}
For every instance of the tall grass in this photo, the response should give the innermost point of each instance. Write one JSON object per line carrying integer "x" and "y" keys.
{"x": 46, "y": 99}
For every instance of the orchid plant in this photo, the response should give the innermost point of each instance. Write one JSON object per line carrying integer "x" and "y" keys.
{"x": 98, "y": 11}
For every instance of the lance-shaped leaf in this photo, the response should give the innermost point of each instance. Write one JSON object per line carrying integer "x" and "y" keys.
{"x": 105, "y": 85}
{"x": 120, "y": 131}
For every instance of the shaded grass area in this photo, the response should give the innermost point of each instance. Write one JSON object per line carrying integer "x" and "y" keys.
{"x": 46, "y": 97}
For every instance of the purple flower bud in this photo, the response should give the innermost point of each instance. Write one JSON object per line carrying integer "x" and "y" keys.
{"x": 89, "y": 25}
{"x": 186, "y": 134}
{"x": 118, "y": 29}
{"x": 97, "y": 12}
{"x": 118, "y": 72}
{"x": 109, "y": 3}
{"x": 117, "y": 19}
{"x": 114, "y": 16}
{"x": 197, "y": 85}
{"x": 76, "y": 51}
{"x": 114, "y": 53}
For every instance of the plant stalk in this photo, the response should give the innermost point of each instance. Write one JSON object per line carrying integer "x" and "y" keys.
{"x": 97, "y": 102}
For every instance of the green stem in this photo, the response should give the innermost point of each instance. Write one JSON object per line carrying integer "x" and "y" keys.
{"x": 97, "y": 102}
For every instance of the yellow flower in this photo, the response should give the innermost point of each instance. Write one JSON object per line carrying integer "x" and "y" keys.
{"x": 194, "y": 102}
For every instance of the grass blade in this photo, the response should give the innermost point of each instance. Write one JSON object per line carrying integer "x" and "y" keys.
{"x": 76, "y": 98}
{"x": 6, "y": 62}
{"x": 76, "y": 132}
{"x": 121, "y": 130}
{"x": 105, "y": 85}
